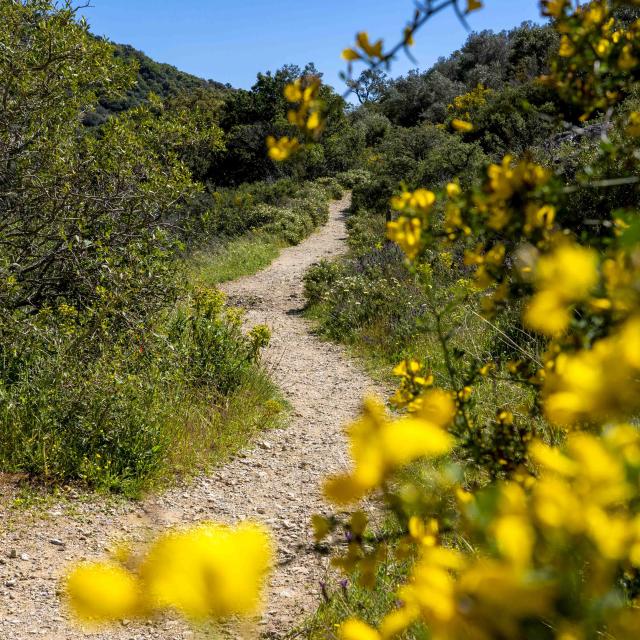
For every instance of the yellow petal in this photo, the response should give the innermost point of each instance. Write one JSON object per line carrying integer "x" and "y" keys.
{"x": 100, "y": 592}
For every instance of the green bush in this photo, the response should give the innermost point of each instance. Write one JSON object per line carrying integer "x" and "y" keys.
{"x": 349, "y": 179}
{"x": 287, "y": 209}
{"x": 112, "y": 415}
{"x": 319, "y": 280}
{"x": 332, "y": 184}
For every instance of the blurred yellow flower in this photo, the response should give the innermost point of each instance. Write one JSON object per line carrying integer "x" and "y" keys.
{"x": 379, "y": 446}
{"x": 281, "y": 149}
{"x": 209, "y": 572}
{"x": 357, "y": 630}
{"x": 406, "y": 232}
{"x": 102, "y": 592}
{"x": 462, "y": 125}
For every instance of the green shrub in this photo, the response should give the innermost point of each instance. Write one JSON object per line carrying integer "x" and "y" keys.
{"x": 349, "y": 179}
{"x": 111, "y": 415}
{"x": 332, "y": 185}
{"x": 319, "y": 280}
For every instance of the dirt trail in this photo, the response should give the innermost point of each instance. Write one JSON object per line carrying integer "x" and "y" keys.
{"x": 276, "y": 482}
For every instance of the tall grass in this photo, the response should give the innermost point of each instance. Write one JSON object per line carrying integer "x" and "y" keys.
{"x": 235, "y": 258}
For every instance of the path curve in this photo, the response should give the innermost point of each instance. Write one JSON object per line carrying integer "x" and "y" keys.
{"x": 276, "y": 482}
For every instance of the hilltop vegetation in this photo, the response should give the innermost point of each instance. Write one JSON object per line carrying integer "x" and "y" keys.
{"x": 162, "y": 80}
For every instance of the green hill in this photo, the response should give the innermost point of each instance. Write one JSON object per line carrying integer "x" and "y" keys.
{"x": 162, "y": 79}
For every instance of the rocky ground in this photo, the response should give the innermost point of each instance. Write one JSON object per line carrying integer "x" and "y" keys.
{"x": 277, "y": 481}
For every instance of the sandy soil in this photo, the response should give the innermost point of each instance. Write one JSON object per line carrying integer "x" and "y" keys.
{"x": 277, "y": 481}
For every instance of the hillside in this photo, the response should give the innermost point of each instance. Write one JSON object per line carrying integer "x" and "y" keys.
{"x": 164, "y": 80}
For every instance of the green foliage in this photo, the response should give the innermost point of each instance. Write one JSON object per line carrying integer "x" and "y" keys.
{"x": 232, "y": 259}
{"x": 285, "y": 209}
{"x": 494, "y": 60}
{"x": 113, "y": 415}
{"x": 248, "y": 117}
{"x": 111, "y": 365}
{"x": 162, "y": 80}
{"x": 83, "y": 216}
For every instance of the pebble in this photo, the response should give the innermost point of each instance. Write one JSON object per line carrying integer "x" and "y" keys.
{"x": 56, "y": 542}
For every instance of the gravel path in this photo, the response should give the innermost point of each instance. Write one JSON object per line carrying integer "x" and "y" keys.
{"x": 276, "y": 482}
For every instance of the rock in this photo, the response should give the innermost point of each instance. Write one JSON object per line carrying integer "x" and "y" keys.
{"x": 13, "y": 554}
{"x": 24, "y": 556}
{"x": 56, "y": 542}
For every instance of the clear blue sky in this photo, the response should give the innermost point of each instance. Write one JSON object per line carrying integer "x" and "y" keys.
{"x": 232, "y": 40}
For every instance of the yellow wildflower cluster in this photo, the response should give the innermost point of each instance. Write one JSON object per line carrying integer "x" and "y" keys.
{"x": 547, "y": 552}
{"x": 380, "y": 446}
{"x": 563, "y": 278}
{"x": 599, "y": 56}
{"x": 209, "y": 572}
{"x": 407, "y": 229}
{"x": 413, "y": 381}
{"x": 506, "y": 182}
{"x": 464, "y": 107}
{"x": 406, "y": 233}
{"x": 596, "y": 384}
{"x": 580, "y": 512}
{"x": 305, "y": 93}
{"x": 509, "y": 201}
{"x": 283, "y": 148}
{"x": 307, "y": 116}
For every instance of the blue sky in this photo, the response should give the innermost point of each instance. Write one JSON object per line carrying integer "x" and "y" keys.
{"x": 231, "y": 41}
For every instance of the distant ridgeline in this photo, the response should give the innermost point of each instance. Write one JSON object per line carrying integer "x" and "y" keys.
{"x": 164, "y": 80}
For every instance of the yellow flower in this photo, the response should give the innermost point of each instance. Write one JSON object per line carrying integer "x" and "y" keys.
{"x": 462, "y": 125}
{"x": 354, "y": 629}
{"x": 408, "y": 37}
{"x": 379, "y": 446}
{"x": 422, "y": 200}
{"x": 100, "y": 592}
{"x": 293, "y": 91}
{"x": 539, "y": 217}
{"x": 547, "y": 313}
{"x": 599, "y": 383}
{"x": 553, "y": 8}
{"x": 633, "y": 124}
{"x": 571, "y": 270}
{"x": 566, "y": 47}
{"x": 627, "y": 60}
{"x": 408, "y": 439}
{"x": 552, "y": 459}
{"x": 372, "y": 50}
{"x": 350, "y": 55}
{"x": 406, "y": 232}
{"x": 314, "y": 122}
{"x": 602, "y": 47}
{"x": 210, "y": 571}
{"x": 437, "y": 407}
{"x": 453, "y": 190}
{"x": 515, "y": 539}
{"x": 281, "y": 149}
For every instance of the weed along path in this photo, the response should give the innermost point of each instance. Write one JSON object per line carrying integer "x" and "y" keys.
{"x": 276, "y": 481}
